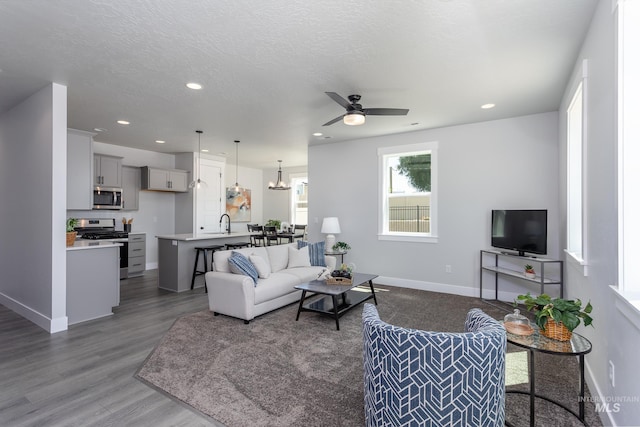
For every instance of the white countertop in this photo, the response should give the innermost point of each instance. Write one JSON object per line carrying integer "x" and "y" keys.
{"x": 203, "y": 236}
{"x": 92, "y": 244}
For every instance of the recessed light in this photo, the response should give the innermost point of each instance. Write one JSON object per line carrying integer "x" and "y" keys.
{"x": 123, "y": 122}
{"x": 317, "y": 134}
{"x": 100, "y": 129}
{"x": 487, "y": 106}
{"x": 159, "y": 141}
{"x": 204, "y": 150}
{"x": 194, "y": 86}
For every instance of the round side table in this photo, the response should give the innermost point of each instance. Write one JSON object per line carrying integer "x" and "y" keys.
{"x": 576, "y": 346}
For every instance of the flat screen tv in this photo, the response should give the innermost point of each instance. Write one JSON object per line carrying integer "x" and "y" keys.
{"x": 520, "y": 230}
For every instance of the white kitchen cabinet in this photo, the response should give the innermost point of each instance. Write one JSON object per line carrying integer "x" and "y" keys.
{"x": 164, "y": 179}
{"x": 131, "y": 185}
{"x": 107, "y": 170}
{"x": 79, "y": 180}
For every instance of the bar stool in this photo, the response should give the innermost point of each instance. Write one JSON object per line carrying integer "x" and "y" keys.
{"x": 204, "y": 250}
{"x": 238, "y": 245}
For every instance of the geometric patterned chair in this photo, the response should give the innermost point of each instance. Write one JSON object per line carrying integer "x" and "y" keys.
{"x": 421, "y": 378}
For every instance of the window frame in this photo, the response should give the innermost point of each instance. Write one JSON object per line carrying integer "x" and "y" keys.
{"x": 293, "y": 178}
{"x": 577, "y": 185}
{"x": 407, "y": 149}
{"x": 628, "y": 154}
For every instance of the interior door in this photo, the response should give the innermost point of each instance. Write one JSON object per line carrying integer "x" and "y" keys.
{"x": 209, "y": 197}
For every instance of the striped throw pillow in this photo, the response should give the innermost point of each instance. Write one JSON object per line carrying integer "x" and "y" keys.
{"x": 316, "y": 252}
{"x": 240, "y": 264}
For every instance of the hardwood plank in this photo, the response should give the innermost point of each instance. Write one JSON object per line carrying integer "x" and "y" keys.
{"x": 85, "y": 375}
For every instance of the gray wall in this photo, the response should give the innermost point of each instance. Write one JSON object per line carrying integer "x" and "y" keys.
{"x": 33, "y": 146}
{"x": 504, "y": 164}
{"x": 616, "y": 335}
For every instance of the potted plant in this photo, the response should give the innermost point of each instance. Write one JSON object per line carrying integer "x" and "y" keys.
{"x": 274, "y": 223}
{"x": 71, "y": 232}
{"x": 529, "y": 271}
{"x": 557, "y": 317}
{"x": 341, "y": 247}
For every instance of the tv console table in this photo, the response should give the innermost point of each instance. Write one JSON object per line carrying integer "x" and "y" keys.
{"x": 498, "y": 268}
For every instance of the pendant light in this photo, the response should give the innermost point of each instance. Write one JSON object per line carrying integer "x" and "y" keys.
{"x": 237, "y": 187}
{"x": 279, "y": 185}
{"x": 197, "y": 182}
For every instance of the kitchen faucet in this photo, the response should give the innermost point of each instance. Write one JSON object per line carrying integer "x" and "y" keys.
{"x": 228, "y": 222}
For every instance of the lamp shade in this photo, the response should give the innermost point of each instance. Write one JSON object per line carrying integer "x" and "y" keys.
{"x": 330, "y": 225}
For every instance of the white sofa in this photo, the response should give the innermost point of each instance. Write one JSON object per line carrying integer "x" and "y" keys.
{"x": 236, "y": 295}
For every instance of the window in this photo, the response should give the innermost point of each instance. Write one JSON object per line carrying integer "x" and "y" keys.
{"x": 628, "y": 150}
{"x": 576, "y": 247}
{"x": 408, "y": 190}
{"x": 299, "y": 199}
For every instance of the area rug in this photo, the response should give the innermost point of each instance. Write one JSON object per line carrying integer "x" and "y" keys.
{"x": 277, "y": 371}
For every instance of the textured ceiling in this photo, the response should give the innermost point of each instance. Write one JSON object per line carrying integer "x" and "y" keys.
{"x": 265, "y": 65}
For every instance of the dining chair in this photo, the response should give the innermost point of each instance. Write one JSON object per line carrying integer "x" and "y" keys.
{"x": 271, "y": 234}
{"x": 257, "y": 236}
{"x": 300, "y": 235}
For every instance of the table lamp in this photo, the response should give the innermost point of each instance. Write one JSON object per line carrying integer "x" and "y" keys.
{"x": 330, "y": 225}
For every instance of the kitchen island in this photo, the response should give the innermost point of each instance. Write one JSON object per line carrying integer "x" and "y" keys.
{"x": 176, "y": 256}
{"x": 93, "y": 280}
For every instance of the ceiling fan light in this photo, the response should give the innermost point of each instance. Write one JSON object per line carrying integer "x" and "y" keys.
{"x": 353, "y": 119}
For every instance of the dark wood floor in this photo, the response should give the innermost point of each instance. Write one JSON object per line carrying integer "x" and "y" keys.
{"x": 84, "y": 376}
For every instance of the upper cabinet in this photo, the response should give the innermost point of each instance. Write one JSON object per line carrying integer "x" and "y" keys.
{"x": 107, "y": 171}
{"x": 164, "y": 179}
{"x": 130, "y": 187}
{"x": 79, "y": 157}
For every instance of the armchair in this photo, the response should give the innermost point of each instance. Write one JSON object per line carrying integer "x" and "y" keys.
{"x": 422, "y": 378}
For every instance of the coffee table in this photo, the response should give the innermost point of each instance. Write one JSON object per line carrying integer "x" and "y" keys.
{"x": 329, "y": 305}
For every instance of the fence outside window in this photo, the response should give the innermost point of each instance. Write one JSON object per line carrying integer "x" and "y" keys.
{"x": 409, "y": 219}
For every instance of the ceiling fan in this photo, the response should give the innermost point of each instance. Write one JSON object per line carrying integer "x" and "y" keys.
{"x": 355, "y": 114}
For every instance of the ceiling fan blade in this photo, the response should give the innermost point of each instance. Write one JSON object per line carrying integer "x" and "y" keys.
{"x": 330, "y": 122}
{"x": 340, "y": 100}
{"x": 386, "y": 111}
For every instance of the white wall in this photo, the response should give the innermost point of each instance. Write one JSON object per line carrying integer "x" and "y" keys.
{"x": 33, "y": 146}
{"x": 252, "y": 179}
{"x": 615, "y": 337}
{"x": 155, "y": 214}
{"x": 277, "y": 203}
{"x": 504, "y": 164}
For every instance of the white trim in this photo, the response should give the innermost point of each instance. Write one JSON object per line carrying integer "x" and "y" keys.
{"x": 398, "y": 237}
{"x": 629, "y": 305}
{"x": 576, "y": 262}
{"x": 466, "y": 291}
{"x": 57, "y": 324}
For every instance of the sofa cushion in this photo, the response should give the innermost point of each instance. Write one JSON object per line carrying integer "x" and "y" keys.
{"x": 278, "y": 256}
{"x": 221, "y": 258}
{"x": 277, "y": 285}
{"x": 306, "y": 274}
{"x": 298, "y": 258}
{"x": 316, "y": 252}
{"x": 240, "y": 264}
{"x": 262, "y": 267}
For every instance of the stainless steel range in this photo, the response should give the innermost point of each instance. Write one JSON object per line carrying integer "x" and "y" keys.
{"x": 105, "y": 229}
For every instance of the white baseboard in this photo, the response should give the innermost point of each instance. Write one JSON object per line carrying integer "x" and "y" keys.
{"x": 50, "y": 325}
{"x": 151, "y": 266}
{"x": 427, "y": 286}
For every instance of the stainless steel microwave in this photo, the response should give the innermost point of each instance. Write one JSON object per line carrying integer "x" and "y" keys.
{"x": 107, "y": 198}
